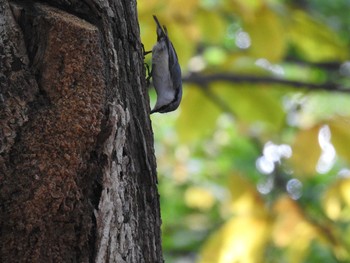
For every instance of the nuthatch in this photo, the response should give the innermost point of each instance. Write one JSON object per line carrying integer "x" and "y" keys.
{"x": 166, "y": 73}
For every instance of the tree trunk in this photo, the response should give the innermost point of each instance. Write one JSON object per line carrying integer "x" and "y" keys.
{"x": 77, "y": 166}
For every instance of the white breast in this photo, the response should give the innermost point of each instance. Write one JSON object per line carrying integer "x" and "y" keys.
{"x": 161, "y": 75}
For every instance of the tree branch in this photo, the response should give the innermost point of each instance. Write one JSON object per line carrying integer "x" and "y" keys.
{"x": 330, "y": 65}
{"x": 204, "y": 80}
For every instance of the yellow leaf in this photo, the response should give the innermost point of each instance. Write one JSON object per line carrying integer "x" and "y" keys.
{"x": 252, "y": 104}
{"x": 199, "y": 197}
{"x": 345, "y": 191}
{"x": 244, "y": 197}
{"x": 336, "y": 201}
{"x": 245, "y": 8}
{"x": 212, "y": 25}
{"x": 180, "y": 8}
{"x": 340, "y": 129}
{"x": 198, "y": 115}
{"x": 306, "y": 152}
{"x": 292, "y": 230}
{"x": 241, "y": 239}
{"x": 146, "y": 7}
{"x": 268, "y": 35}
{"x": 316, "y": 41}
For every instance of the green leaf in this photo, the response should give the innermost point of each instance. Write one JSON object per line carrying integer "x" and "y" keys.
{"x": 314, "y": 40}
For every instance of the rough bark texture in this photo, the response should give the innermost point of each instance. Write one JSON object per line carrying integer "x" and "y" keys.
{"x": 77, "y": 166}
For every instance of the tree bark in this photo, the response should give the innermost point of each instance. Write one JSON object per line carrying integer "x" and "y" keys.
{"x": 77, "y": 166}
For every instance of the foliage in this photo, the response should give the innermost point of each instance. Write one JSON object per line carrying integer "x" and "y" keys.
{"x": 254, "y": 166}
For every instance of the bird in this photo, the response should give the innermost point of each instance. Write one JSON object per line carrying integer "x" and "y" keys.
{"x": 166, "y": 72}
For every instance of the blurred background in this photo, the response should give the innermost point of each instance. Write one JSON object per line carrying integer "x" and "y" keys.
{"x": 254, "y": 165}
